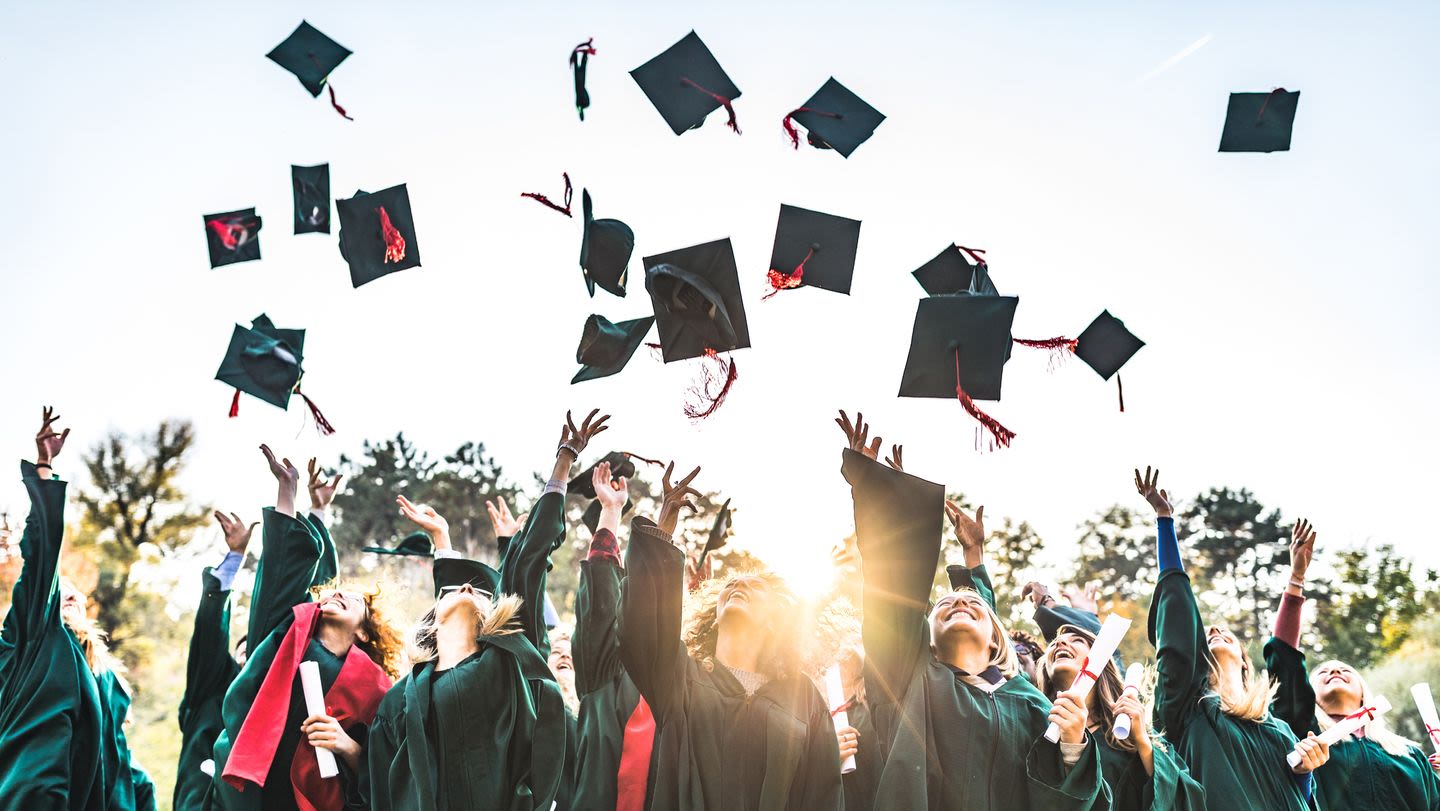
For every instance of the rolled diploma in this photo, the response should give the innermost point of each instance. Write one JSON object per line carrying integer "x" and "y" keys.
{"x": 1134, "y": 674}
{"x": 1344, "y": 729}
{"x": 1105, "y": 644}
{"x": 315, "y": 705}
{"x": 835, "y": 695}
{"x": 1425, "y": 702}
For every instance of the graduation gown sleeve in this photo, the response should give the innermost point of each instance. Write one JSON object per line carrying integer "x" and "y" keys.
{"x": 650, "y": 646}
{"x": 526, "y": 561}
{"x": 327, "y": 567}
{"x": 1176, "y": 631}
{"x": 596, "y": 643}
{"x": 209, "y": 669}
{"x": 284, "y": 574}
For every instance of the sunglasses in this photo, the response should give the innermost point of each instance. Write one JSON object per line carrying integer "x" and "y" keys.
{"x": 447, "y": 590}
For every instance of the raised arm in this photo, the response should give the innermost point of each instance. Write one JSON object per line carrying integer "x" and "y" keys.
{"x": 209, "y": 666}
{"x": 970, "y": 532}
{"x": 288, "y": 560}
{"x": 322, "y": 495}
{"x": 596, "y": 643}
{"x": 1294, "y": 701}
{"x": 35, "y": 601}
{"x": 652, "y": 603}
{"x": 1174, "y": 625}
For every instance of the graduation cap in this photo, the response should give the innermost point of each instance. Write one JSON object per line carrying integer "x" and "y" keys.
{"x": 1259, "y": 122}
{"x": 416, "y": 545}
{"x": 265, "y": 361}
{"x": 605, "y": 249}
{"x": 233, "y": 236}
{"x": 450, "y": 572}
{"x": 1105, "y": 346}
{"x": 311, "y": 188}
{"x": 579, "y": 60}
{"x": 835, "y": 119}
{"x": 958, "y": 348}
{"x": 813, "y": 249}
{"x": 719, "y": 532}
{"x": 686, "y": 84}
{"x": 696, "y": 295}
{"x": 950, "y": 272}
{"x": 377, "y": 234}
{"x": 311, "y": 56}
{"x": 605, "y": 348}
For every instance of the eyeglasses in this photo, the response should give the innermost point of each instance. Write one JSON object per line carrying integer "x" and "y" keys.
{"x": 447, "y": 590}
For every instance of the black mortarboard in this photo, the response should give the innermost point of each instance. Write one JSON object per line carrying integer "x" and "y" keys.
{"x": 819, "y": 247}
{"x": 583, "y": 484}
{"x": 264, "y": 361}
{"x": 836, "y": 119}
{"x": 310, "y": 55}
{"x": 416, "y": 545}
{"x": 311, "y": 189}
{"x": 579, "y": 61}
{"x": 459, "y": 571}
{"x": 965, "y": 334}
{"x": 605, "y": 248}
{"x": 950, "y": 272}
{"x": 686, "y": 84}
{"x": 1106, "y": 345}
{"x": 605, "y": 348}
{"x": 233, "y": 236}
{"x": 719, "y": 532}
{"x": 696, "y": 295}
{"x": 377, "y": 234}
{"x": 1259, "y": 122}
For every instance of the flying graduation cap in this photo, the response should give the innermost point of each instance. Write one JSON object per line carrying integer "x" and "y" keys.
{"x": 834, "y": 118}
{"x": 605, "y": 348}
{"x": 266, "y": 362}
{"x": 579, "y": 61}
{"x": 719, "y": 534}
{"x": 416, "y": 545}
{"x": 699, "y": 313}
{"x": 605, "y": 248}
{"x": 583, "y": 485}
{"x": 310, "y": 186}
{"x": 233, "y": 236}
{"x": 1105, "y": 346}
{"x": 311, "y": 56}
{"x": 813, "y": 249}
{"x": 1259, "y": 122}
{"x": 958, "y": 349}
{"x": 686, "y": 84}
{"x": 951, "y": 272}
{"x": 377, "y": 234}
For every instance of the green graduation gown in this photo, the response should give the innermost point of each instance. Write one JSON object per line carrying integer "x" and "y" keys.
{"x": 208, "y": 672}
{"x": 718, "y": 747}
{"x": 121, "y": 791}
{"x": 1360, "y": 773}
{"x": 860, "y": 785}
{"x": 50, "y": 713}
{"x": 298, "y": 552}
{"x": 489, "y": 732}
{"x": 949, "y": 744}
{"x": 1240, "y": 763}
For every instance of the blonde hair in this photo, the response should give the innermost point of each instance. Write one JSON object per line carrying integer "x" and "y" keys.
{"x": 1375, "y": 729}
{"x": 1252, "y": 701}
{"x": 382, "y": 643}
{"x": 1104, "y": 695}
{"x": 499, "y": 616}
{"x": 94, "y": 641}
{"x": 1002, "y": 653}
{"x": 783, "y": 655}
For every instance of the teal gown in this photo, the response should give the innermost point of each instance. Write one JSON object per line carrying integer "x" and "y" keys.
{"x": 208, "y": 672}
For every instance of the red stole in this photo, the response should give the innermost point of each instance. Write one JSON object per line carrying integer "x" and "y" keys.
{"x": 634, "y": 772}
{"x": 352, "y": 700}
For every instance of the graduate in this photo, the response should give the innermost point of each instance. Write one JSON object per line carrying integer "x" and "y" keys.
{"x": 264, "y": 756}
{"x": 739, "y": 724}
{"x": 1210, "y": 703}
{"x": 479, "y": 721}
{"x": 616, "y": 756}
{"x": 209, "y": 667}
{"x": 50, "y": 710}
{"x": 1374, "y": 768}
{"x": 959, "y": 726}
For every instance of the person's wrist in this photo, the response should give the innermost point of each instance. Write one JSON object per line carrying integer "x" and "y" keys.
{"x": 1164, "y": 514}
{"x": 572, "y": 449}
{"x": 439, "y": 537}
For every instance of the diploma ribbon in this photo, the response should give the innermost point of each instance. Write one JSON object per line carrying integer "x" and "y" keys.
{"x": 1363, "y": 712}
{"x": 850, "y": 702}
{"x": 1434, "y": 733}
{"x": 1085, "y": 671}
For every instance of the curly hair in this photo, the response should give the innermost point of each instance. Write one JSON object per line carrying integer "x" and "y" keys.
{"x": 783, "y": 655}
{"x": 382, "y": 643}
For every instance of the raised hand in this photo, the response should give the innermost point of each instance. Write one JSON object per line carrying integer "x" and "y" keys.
{"x": 1037, "y": 593}
{"x": 676, "y": 496}
{"x": 574, "y": 439}
{"x": 858, "y": 435}
{"x": 895, "y": 459}
{"x": 1148, "y": 486}
{"x": 504, "y": 524}
{"x": 288, "y": 480}
{"x": 48, "y": 444}
{"x": 1087, "y": 599}
{"x": 612, "y": 495}
{"x": 322, "y": 491}
{"x": 425, "y": 517}
{"x": 970, "y": 532}
{"x": 1302, "y": 549}
{"x": 237, "y": 532}
{"x": 695, "y": 576}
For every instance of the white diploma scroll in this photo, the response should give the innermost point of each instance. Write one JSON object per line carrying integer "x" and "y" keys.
{"x": 1425, "y": 703}
{"x": 1347, "y": 726}
{"x": 835, "y": 697}
{"x": 315, "y": 705}
{"x": 1105, "y": 644}
{"x": 1133, "y": 676}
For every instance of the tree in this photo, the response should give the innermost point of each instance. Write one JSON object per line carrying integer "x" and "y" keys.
{"x": 1117, "y": 549}
{"x": 1238, "y": 550}
{"x": 1370, "y": 609}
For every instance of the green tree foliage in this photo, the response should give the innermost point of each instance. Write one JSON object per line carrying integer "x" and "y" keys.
{"x": 1238, "y": 553}
{"x": 1369, "y": 609}
{"x": 1117, "y": 549}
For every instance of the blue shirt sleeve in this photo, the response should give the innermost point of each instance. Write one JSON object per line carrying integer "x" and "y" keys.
{"x": 1168, "y": 546}
{"x": 227, "y": 569}
{"x": 1306, "y": 783}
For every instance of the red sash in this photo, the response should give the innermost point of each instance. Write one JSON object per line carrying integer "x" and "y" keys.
{"x": 634, "y": 772}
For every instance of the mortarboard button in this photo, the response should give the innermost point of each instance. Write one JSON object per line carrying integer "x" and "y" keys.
{"x": 958, "y": 348}
{"x": 835, "y": 118}
{"x": 579, "y": 61}
{"x": 605, "y": 248}
{"x": 1259, "y": 122}
{"x": 686, "y": 84}
{"x": 377, "y": 234}
{"x": 950, "y": 272}
{"x": 416, "y": 544}
{"x": 311, "y": 188}
{"x": 311, "y": 56}
{"x": 233, "y": 236}
{"x": 813, "y": 249}
{"x": 605, "y": 348}
{"x": 1105, "y": 346}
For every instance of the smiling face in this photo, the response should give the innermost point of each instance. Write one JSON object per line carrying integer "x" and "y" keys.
{"x": 963, "y": 614}
{"x": 746, "y": 598}
{"x": 559, "y": 659}
{"x": 345, "y": 609}
{"x": 73, "y": 603}
{"x": 1224, "y": 647}
{"x": 463, "y": 602}
{"x": 1338, "y": 688}
{"x": 1064, "y": 657}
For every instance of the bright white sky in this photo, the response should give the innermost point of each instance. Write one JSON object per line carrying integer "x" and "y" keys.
{"x": 1287, "y": 298}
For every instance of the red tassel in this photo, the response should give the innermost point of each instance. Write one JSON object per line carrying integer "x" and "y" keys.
{"x": 1273, "y": 93}
{"x": 394, "y": 243}
{"x": 787, "y": 281}
{"x": 587, "y": 47}
{"x": 655, "y": 462}
{"x": 324, "y": 426}
{"x": 232, "y": 233}
{"x": 974, "y": 255}
{"x": 1120, "y": 387}
{"x": 789, "y": 124}
{"x": 1000, "y": 435}
{"x": 710, "y": 402}
{"x": 729, "y": 108}
{"x": 336, "y": 104}
{"x": 1059, "y": 347}
{"x": 540, "y": 198}
{"x": 235, "y": 405}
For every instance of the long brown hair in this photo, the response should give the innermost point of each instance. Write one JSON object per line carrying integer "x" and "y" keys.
{"x": 1103, "y": 696}
{"x": 382, "y": 643}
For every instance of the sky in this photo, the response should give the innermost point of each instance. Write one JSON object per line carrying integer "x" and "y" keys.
{"x": 1286, "y": 299}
